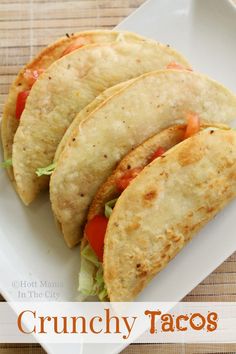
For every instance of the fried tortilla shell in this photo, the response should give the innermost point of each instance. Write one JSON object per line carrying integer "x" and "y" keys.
{"x": 146, "y": 106}
{"x": 85, "y": 112}
{"x": 168, "y": 202}
{"x": 65, "y": 88}
{"x": 42, "y": 61}
{"x": 138, "y": 159}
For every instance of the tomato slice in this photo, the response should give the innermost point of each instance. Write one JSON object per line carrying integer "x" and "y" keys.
{"x": 20, "y": 103}
{"x": 176, "y": 66}
{"x": 123, "y": 182}
{"x": 32, "y": 75}
{"x": 78, "y": 43}
{"x": 193, "y": 125}
{"x": 159, "y": 152}
{"x": 95, "y": 231}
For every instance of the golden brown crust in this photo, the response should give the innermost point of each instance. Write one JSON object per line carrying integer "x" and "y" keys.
{"x": 137, "y": 158}
{"x": 43, "y": 60}
{"x": 151, "y": 103}
{"x": 185, "y": 201}
{"x": 65, "y": 88}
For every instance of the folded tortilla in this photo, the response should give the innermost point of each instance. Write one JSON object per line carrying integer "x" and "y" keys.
{"x": 42, "y": 61}
{"x": 85, "y": 112}
{"x": 168, "y": 202}
{"x": 106, "y": 198}
{"x": 137, "y": 159}
{"x": 146, "y": 106}
{"x": 108, "y": 193}
{"x": 65, "y": 88}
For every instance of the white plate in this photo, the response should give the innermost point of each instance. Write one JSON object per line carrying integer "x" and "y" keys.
{"x": 31, "y": 248}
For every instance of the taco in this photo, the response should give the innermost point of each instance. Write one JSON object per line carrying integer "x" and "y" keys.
{"x": 65, "y": 88}
{"x": 29, "y": 74}
{"x": 91, "y": 271}
{"x": 146, "y": 227}
{"x": 200, "y": 175}
{"x": 146, "y": 106}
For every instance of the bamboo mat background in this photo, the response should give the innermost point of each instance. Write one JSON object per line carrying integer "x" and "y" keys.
{"x": 28, "y": 26}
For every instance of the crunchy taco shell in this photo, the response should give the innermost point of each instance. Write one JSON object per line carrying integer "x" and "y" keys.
{"x": 170, "y": 200}
{"x": 146, "y": 106}
{"x": 42, "y": 61}
{"x": 65, "y": 88}
{"x": 137, "y": 159}
{"x": 84, "y": 113}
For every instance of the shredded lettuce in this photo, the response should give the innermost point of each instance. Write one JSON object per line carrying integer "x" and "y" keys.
{"x": 6, "y": 163}
{"x": 109, "y": 207}
{"x": 45, "y": 171}
{"x": 103, "y": 294}
{"x": 86, "y": 277}
{"x": 99, "y": 276}
{"x": 89, "y": 254}
{"x": 102, "y": 291}
{"x": 91, "y": 280}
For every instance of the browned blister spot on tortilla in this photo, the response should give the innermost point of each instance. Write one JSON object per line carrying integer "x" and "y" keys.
{"x": 210, "y": 209}
{"x": 232, "y": 175}
{"x": 167, "y": 248}
{"x": 157, "y": 264}
{"x": 152, "y": 194}
{"x": 164, "y": 256}
{"x": 165, "y": 174}
{"x": 149, "y": 196}
{"x": 190, "y": 154}
{"x": 229, "y": 162}
{"x": 143, "y": 273}
{"x": 131, "y": 227}
{"x": 173, "y": 236}
{"x": 110, "y": 276}
{"x": 141, "y": 269}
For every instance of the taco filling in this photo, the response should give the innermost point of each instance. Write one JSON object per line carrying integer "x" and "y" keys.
{"x": 91, "y": 272}
{"x": 91, "y": 280}
{"x": 31, "y": 75}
